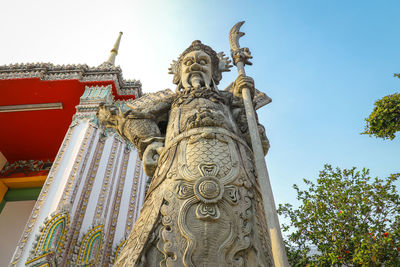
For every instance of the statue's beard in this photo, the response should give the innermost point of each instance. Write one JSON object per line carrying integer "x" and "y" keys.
{"x": 196, "y": 80}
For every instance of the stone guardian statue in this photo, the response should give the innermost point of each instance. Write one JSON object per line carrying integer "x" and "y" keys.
{"x": 204, "y": 206}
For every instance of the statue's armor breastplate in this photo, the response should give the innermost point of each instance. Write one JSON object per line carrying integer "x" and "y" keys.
{"x": 199, "y": 112}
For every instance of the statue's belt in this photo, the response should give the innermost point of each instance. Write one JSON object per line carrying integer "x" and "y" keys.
{"x": 205, "y": 130}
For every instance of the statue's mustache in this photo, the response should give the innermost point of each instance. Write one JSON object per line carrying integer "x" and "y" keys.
{"x": 191, "y": 71}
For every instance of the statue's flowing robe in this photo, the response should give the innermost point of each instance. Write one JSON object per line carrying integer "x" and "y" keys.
{"x": 203, "y": 207}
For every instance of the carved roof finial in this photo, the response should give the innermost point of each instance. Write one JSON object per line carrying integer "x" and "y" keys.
{"x": 114, "y": 51}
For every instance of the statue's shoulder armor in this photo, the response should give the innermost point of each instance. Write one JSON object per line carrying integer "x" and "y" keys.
{"x": 151, "y": 99}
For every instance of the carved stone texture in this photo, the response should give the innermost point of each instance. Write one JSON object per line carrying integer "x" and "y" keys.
{"x": 203, "y": 207}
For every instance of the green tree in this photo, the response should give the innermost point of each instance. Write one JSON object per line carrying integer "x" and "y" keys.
{"x": 348, "y": 217}
{"x": 384, "y": 121}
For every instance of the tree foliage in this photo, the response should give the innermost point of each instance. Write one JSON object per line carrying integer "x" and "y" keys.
{"x": 350, "y": 218}
{"x": 384, "y": 121}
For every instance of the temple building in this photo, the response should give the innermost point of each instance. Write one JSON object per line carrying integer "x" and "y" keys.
{"x": 70, "y": 190}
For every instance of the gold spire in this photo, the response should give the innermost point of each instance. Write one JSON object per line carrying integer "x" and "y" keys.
{"x": 114, "y": 51}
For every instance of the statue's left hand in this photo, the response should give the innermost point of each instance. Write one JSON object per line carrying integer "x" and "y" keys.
{"x": 242, "y": 82}
{"x": 151, "y": 156}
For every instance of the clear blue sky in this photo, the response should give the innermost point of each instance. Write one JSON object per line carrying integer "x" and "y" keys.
{"x": 323, "y": 63}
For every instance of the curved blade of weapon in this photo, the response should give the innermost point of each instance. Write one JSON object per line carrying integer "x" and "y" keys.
{"x": 235, "y": 34}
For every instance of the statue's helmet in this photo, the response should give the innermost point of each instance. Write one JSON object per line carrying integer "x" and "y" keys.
{"x": 219, "y": 63}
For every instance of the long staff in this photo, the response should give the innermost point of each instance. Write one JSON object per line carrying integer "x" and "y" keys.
{"x": 240, "y": 58}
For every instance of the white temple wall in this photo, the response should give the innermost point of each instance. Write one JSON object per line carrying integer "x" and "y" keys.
{"x": 78, "y": 187}
{"x": 90, "y": 199}
{"x": 27, "y": 238}
{"x": 126, "y": 198}
{"x": 140, "y": 192}
{"x": 60, "y": 174}
{"x": 97, "y": 184}
{"x": 65, "y": 171}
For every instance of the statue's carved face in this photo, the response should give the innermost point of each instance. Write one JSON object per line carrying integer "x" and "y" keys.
{"x": 196, "y": 70}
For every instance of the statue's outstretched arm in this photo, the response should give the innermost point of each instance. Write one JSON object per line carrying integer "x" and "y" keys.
{"x": 140, "y": 125}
